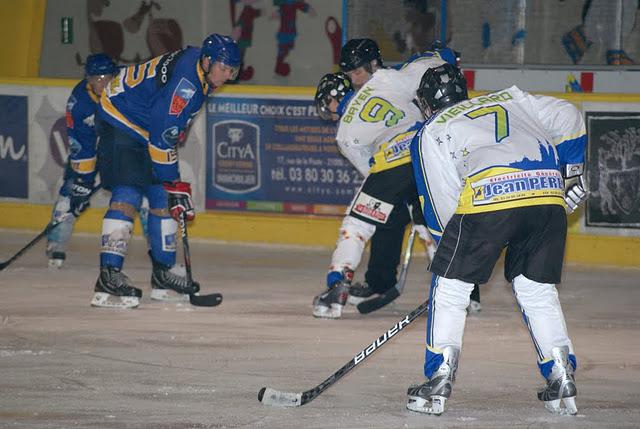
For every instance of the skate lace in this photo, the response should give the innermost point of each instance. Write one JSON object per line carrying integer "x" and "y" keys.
{"x": 176, "y": 280}
{"x": 121, "y": 280}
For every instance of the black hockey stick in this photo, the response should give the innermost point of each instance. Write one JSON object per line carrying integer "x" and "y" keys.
{"x": 50, "y": 226}
{"x": 269, "y": 396}
{"x": 47, "y": 229}
{"x": 381, "y": 300}
{"x": 196, "y": 299}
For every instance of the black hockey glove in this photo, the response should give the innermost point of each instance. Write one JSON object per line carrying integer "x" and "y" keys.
{"x": 575, "y": 189}
{"x": 80, "y": 196}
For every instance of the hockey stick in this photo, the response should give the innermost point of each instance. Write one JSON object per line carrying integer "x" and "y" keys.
{"x": 50, "y": 226}
{"x": 196, "y": 299}
{"x": 269, "y": 396}
{"x": 381, "y": 300}
{"x": 47, "y": 229}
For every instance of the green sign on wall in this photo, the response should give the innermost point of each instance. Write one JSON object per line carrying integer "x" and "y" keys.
{"x": 66, "y": 27}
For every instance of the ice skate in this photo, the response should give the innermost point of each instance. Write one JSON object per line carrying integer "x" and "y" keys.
{"x": 359, "y": 292}
{"x": 171, "y": 284}
{"x": 430, "y": 396}
{"x": 55, "y": 254}
{"x": 115, "y": 290}
{"x": 56, "y": 259}
{"x": 561, "y": 385}
{"x": 474, "y": 307}
{"x": 329, "y": 304}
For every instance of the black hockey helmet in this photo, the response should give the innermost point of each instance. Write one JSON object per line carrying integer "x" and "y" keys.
{"x": 359, "y": 53}
{"x": 440, "y": 87}
{"x": 332, "y": 86}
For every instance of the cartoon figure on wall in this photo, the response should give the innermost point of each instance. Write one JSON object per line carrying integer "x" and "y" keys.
{"x": 287, "y": 33}
{"x": 243, "y": 31}
{"x": 420, "y": 28}
{"x": 607, "y": 22}
{"x": 104, "y": 36}
{"x": 334, "y": 34}
{"x": 163, "y": 35}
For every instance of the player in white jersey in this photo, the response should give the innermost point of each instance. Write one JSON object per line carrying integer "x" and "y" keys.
{"x": 493, "y": 172}
{"x": 377, "y": 124}
{"x": 360, "y": 59}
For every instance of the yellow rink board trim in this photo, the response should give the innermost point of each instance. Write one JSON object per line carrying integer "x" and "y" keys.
{"x": 308, "y": 91}
{"x": 306, "y": 230}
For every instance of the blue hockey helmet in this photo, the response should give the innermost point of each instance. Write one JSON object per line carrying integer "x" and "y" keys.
{"x": 99, "y": 64}
{"x": 447, "y": 54}
{"x": 221, "y": 49}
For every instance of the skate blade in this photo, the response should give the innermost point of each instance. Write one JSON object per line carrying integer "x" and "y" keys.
{"x": 56, "y": 263}
{"x": 335, "y": 312}
{"x": 569, "y": 409}
{"x": 105, "y": 300}
{"x": 355, "y": 300}
{"x": 168, "y": 295}
{"x": 421, "y": 405}
{"x": 474, "y": 307}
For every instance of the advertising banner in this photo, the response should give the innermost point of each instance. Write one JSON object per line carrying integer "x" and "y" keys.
{"x": 613, "y": 165}
{"x": 276, "y": 155}
{"x": 14, "y": 147}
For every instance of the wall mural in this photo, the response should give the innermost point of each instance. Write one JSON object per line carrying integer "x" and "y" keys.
{"x": 282, "y": 42}
{"x": 162, "y": 35}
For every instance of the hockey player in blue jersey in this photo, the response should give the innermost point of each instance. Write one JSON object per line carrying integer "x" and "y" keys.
{"x": 80, "y": 172}
{"x": 144, "y": 113}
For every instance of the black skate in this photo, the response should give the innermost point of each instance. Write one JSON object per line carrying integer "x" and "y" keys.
{"x": 170, "y": 284}
{"x": 430, "y": 396}
{"x": 55, "y": 253}
{"x": 56, "y": 259}
{"x": 115, "y": 290}
{"x": 359, "y": 292}
{"x": 474, "y": 302}
{"x": 474, "y": 307}
{"x": 561, "y": 384}
{"x": 329, "y": 304}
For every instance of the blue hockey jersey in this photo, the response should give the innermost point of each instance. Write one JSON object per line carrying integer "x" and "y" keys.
{"x": 154, "y": 102}
{"x": 79, "y": 116}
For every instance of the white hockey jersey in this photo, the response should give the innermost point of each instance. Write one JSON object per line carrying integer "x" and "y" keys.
{"x": 379, "y": 121}
{"x": 495, "y": 152}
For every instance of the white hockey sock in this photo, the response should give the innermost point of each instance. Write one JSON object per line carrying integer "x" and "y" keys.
{"x": 542, "y": 314}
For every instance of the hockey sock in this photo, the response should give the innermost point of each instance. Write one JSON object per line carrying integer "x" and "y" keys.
{"x": 162, "y": 236}
{"x": 116, "y": 233}
{"x": 59, "y": 236}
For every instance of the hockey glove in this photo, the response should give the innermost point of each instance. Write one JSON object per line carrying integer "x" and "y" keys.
{"x": 80, "y": 196}
{"x": 179, "y": 200}
{"x": 575, "y": 190}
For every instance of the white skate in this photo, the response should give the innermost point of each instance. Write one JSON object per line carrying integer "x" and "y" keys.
{"x": 561, "y": 385}
{"x": 430, "y": 396}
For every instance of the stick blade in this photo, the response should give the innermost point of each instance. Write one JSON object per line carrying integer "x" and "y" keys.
{"x": 275, "y": 398}
{"x": 378, "y": 302}
{"x": 210, "y": 300}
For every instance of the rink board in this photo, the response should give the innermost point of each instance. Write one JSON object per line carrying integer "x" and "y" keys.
{"x": 46, "y": 155}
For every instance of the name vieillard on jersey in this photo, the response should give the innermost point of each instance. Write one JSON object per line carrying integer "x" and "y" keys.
{"x": 500, "y": 181}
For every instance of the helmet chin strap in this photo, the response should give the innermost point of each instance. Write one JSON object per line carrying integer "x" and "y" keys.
{"x": 206, "y": 71}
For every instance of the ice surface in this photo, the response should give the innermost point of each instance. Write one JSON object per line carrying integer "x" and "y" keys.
{"x": 161, "y": 366}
